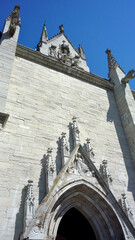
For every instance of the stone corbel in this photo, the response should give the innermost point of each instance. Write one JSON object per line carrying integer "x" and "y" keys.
{"x": 130, "y": 75}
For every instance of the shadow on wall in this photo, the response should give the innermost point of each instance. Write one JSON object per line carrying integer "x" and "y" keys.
{"x": 42, "y": 179}
{"x": 41, "y": 182}
{"x": 113, "y": 116}
{"x": 20, "y": 216}
{"x": 3, "y": 36}
{"x": 58, "y": 157}
{"x": 71, "y": 143}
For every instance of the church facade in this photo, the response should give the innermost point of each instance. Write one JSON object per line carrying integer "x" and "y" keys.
{"x": 67, "y": 142}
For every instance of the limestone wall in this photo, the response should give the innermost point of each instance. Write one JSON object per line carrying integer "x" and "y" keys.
{"x": 41, "y": 103}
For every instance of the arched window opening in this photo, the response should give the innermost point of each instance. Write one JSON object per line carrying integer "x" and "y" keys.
{"x": 74, "y": 226}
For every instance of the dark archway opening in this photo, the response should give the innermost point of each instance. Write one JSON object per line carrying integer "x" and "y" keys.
{"x": 74, "y": 226}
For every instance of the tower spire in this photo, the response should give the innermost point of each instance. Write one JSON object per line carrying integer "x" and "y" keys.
{"x": 44, "y": 35}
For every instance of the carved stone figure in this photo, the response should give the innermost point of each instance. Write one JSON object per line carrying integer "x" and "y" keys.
{"x": 75, "y": 131}
{"x": 64, "y": 149}
{"x": 75, "y": 61}
{"x": 79, "y": 166}
{"x": 106, "y": 174}
{"x": 90, "y": 150}
{"x": 64, "y": 54}
{"x": 61, "y": 27}
{"x": 53, "y": 51}
{"x": 14, "y": 18}
{"x": 81, "y": 52}
{"x": 130, "y": 75}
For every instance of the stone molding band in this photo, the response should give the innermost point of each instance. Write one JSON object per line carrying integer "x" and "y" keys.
{"x": 39, "y": 58}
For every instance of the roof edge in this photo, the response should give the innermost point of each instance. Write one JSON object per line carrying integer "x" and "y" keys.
{"x": 37, "y": 57}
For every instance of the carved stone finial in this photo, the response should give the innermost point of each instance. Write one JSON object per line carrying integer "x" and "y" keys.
{"x": 44, "y": 35}
{"x": 64, "y": 149}
{"x": 89, "y": 150}
{"x": 50, "y": 164}
{"x": 106, "y": 174}
{"x": 14, "y": 18}
{"x": 112, "y": 63}
{"x": 50, "y": 170}
{"x": 76, "y": 132}
{"x": 126, "y": 207}
{"x": 29, "y": 205}
{"x": 61, "y": 27}
{"x": 81, "y": 52}
{"x": 130, "y": 75}
{"x": 108, "y": 51}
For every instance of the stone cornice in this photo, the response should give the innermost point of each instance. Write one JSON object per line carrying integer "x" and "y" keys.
{"x": 39, "y": 58}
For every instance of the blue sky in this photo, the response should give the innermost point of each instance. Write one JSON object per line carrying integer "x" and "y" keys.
{"x": 95, "y": 24}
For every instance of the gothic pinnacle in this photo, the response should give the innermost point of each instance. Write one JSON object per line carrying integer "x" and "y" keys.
{"x": 112, "y": 63}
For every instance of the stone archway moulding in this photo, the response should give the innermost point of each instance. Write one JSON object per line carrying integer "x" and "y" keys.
{"x": 89, "y": 193}
{"x": 91, "y": 202}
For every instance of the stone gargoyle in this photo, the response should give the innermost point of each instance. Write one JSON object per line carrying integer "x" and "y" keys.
{"x": 130, "y": 75}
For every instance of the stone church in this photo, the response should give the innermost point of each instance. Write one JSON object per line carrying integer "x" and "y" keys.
{"x": 67, "y": 142}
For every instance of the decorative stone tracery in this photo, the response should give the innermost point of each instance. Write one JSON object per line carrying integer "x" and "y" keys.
{"x": 29, "y": 205}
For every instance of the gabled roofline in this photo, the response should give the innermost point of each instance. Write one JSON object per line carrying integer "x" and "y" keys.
{"x": 60, "y": 34}
{"x": 39, "y": 58}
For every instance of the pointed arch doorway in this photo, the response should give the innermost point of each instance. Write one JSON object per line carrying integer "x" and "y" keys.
{"x": 74, "y": 226}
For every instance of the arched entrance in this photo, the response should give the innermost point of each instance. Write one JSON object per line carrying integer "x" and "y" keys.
{"x": 93, "y": 206}
{"x": 74, "y": 226}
